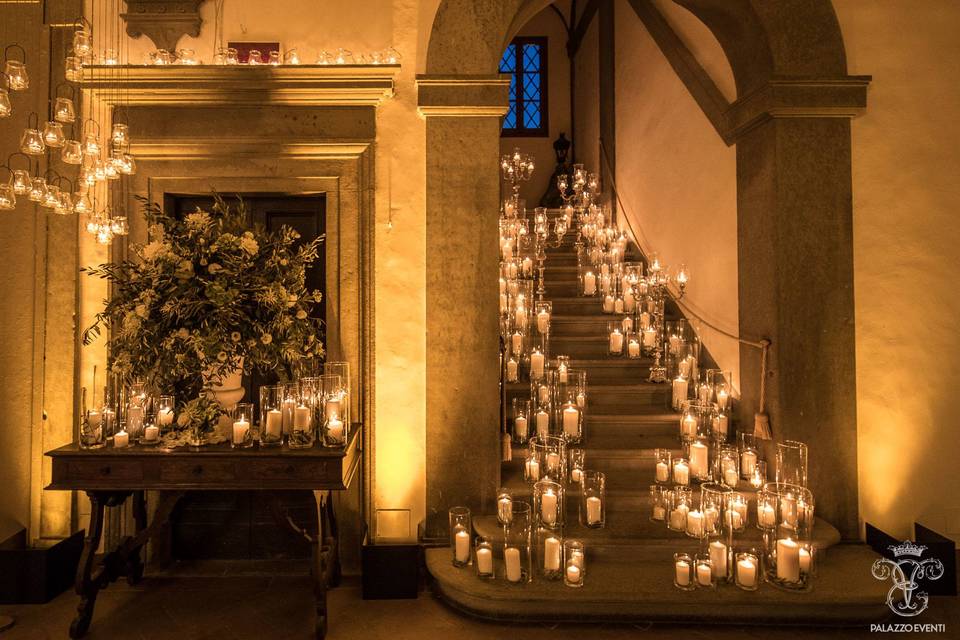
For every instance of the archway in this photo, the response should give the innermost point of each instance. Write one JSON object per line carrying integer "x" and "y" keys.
{"x": 794, "y": 207}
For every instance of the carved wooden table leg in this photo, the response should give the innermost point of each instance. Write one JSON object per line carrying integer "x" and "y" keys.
{"x": 86, "y": 586}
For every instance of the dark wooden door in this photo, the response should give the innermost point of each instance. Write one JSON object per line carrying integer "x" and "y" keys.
{"x": 239, "y": 524}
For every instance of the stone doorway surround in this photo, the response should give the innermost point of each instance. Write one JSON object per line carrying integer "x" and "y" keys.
{"x": 791, "y": 125}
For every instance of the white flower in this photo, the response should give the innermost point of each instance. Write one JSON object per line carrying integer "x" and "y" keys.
{"x": 249, "y": 244}
{"x": 154, "y": 250}
{"x": 197, "y": 220}
{"x": 141, "y": 310}
{"x": 284, "y": 262}
{"x": 184, "y": 270}
{"x": 291, "y": 300}
{"x": 222, "y": 356}
{"x": 266, "y": 338}
{"x": 235, "y": 336}
{"x": 301, "y": 314}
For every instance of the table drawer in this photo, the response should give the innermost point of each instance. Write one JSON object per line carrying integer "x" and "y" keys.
{"x": 314, "y": 471}
{"x": 199, "y": 471}
{"x": 105, "y": 471}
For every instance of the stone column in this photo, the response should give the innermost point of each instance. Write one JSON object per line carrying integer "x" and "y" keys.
{"x": 462, "y": 179}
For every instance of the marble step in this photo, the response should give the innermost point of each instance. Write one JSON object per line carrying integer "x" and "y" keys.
{"x": 637, "y": 586}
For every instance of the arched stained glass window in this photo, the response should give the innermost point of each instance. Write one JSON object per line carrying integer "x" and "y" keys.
{"x": 525, "y": 59}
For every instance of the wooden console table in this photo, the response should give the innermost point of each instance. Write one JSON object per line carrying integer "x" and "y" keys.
{"x": 110, "y": 476}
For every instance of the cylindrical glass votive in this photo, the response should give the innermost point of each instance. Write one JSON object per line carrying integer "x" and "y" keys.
{"x": 747, "y": 573}
{"x": 549, "y": 547}
{"x": 575, "y": 465}
{"x": 735, "y": 515}
{"x": 703, "y": 569}
{"x": 698, "y": 453}
{"x": 792, "y": 462}
{"x": 303, "y": 430}
{"x": 548, "y": 503}
{"x": 242, "y": 432}
{"x": 660, "y": 502}
{"x": 615, "y": 332}
{"x": 504, "y": 506}
{"x": 683, "y": 574}
{"x": 662, "y": 458}
{"x": 593, "y": 500}
{"x": 681, "y": 472}
{"x": 549, "y": 453}
{"x": 271, "y": 415}
{"x": 521, "y": 420}
{"x": 728, "y": 467}
{"x": 713, "y": 501}
{"x": 570, "y": 418}
{"x": 484, "y": 553}
{"x": 516, "y": 550}
{"x": 749, "y": 454}
{"x": 460, "y": 530}
{"x": 574, "y": 563}
{"x": 681, "y": 502}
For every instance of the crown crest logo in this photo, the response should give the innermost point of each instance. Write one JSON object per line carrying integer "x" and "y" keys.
{"x": 907, "y": 549}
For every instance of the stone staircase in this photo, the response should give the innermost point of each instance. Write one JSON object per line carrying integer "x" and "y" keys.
{"x": 629, "y": 568}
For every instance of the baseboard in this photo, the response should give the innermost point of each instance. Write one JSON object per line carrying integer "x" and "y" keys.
{"x": 36, "y": 575}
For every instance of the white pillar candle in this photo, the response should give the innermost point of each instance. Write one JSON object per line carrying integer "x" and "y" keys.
{"x": 704, "y": 392}
{"x": 649, "y": 337}
{"x": 165, "y": 417}
{"x": 581, "y": 400}
{"x": 573, "y": 574}
{"x": 571, "y": 422}
{"x": 681, "y": 473}
{"x": 608, "y": 303}
{"x": 553, "y": 462}
{"x": 516, "y": 342}
{"x": 633, "y": 349}
{"x": 151, "y": 433}
{"x": 722, "y": 399}
{"x": 766, "y": 515}
{"x": 576, "y": 474}
{"x": 730, "y": 476}
{"x": 240, "y": 429}
{"x": 288, "y": 407}
{"x": 804, "y": 560}
{"x": 589, "y": 284}
{"x": 663, "y": 471}
{"x": 747, "y": 572}
{"x": 543, "y": 423}
{"x": 551, "y": 554}
{"x": 548, "y": 507}
{"x": 505, "y": 509}
{"x": 543, "y": 394}
{"x": 659, "y": 513}
{"x": 674, "y": 344}
{"x": 704, "y": 575}
{"x": 711, "y": 515}
{"x": 698, "y": 459}
{"x": 627, "y": 324}
{"x": 616, "y": 342}
{"x": 463, "y": 546}
{"x": 543, "y": 321}
{"x": 748, "y": 462}
{"x": 618, "y": 305}
{"x": 94, "y": 419}
{"x": 527, "y": 266}
{"x": 533, "y": 469}
{"x": 301, "y": 418}
{"x": 679, "y": 392}
{"x": 788, "y": 560}
{"x": 520, "y": 318}
{"x": 331, "y": 408}
{"x": 520, "y": 427}
{"x": 121, "y": 440}
{"x": 740, "y": 507}
{"x": 683, "y": 573}
{"x": 593, "y": 510}
{"x": 485, "y": 561}
{"x": 629, "y": 302}
{"x": 504, "y": 303}
{"x": 507, "y": 250}
{"x": 274, "y": 423}
{"x": 688, "y": 426}
{"x": 644, "y": 320}
{"x": 513, "y": 370}
{"x": 734, "y": 519}
{"x": 695, "y": 523}
{"x": 511, "y": 556}
{"x": 678, "y": 517}
{"x": 335, "y": 431}
{"x": 718, "y": 559}
{"x": 720, "y": 422}
{"x": 562, "y": 374}
{"x": 536, "y": 365}
{"x": 684, "y": 368}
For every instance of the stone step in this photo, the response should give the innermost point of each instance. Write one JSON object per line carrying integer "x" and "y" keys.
{"x": 584, "y": 325}
{"x": 637, "y": 586}
{"x": 614, "y": 399}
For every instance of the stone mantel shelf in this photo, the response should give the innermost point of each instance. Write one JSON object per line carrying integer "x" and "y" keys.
{"x": 288, "y": 85}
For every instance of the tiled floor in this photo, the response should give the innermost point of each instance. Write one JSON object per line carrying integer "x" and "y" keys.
{"x": 258, "y": 607}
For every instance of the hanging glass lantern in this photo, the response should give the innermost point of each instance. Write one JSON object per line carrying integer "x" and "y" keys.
{"x": 187, "y": 57}
{"x": 63, "y": 111}
{"x": 83, "y": 204}
{"x": 72, "y": 152}
{"x": 99, "y": 171}
{"x": 87, "y": 177}
{"x": 52, "y": 197}
{"x": 53, "y": 134}
{"x": 129, "y": 166}
{"x": 111, "y": 57}
{"x": 38, "y": 190}
{"x": 16, "y": 70}
{"x": 31, "y": 142}
{"x": 82, "y": 42}
{"x": 120, "y": 135}
{"x": 5, "y": 107}
{"x": 8, "y": 198}
{"x": 118, "y": 225}
{"x": 65, "y": 205}
{"x": 21, "y": 182}
{"x": 73, "y": 69}
{"x": 291, "y": 57}
{"x": 110, "y": 170}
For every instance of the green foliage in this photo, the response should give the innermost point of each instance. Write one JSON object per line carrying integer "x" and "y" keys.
{"x": 205, "y": 294}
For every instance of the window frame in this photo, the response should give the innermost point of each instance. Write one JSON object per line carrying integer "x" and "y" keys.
{"x": 543, "y": 130}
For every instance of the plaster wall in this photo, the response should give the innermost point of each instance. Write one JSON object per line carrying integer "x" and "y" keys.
{"x": 905, "y": 196}
{"x": 546, "y": 23}
{"x": 586, "y": 146}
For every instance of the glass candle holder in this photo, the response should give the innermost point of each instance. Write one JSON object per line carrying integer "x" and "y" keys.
{"x": 782, "y": 562}
{"x": 548, "y": 504}
{"x": 242, "y": 433}
{"x": 72, "y": 152}
{"x": 696, "y": 524}
{"x": 64, "y": 111}
{"x": 649, "y": 337}
{"x": 659, "y": 502}
{"x": 550, "y": 454}
{"x": 593, "y": 500}
{"x": 680, "y": 392}
{"x": 766, "y": 510}
{"x": 578, "y": 380}
{"x": 513, "y": 369}
{"x": 544, "y": 311}
{"x": 759, "y": 476}
{"x": 615, "y": 341}
{"x": 521, "y": 420}
{"x": 728, "y": 466}
{"x": 684, "y": 577}
{"x": 681, "y": 472}
{"x": 588, "y": 283}
{"x": 722, "y": 389}
{"x": 335, "y": 430}
{"x": 53, "y": 135}
{"x": 703, "y": 569}
{"x": 91, "y": 433}
{"x": 541, "y": 417}
{"x": 792, "y": 462}
{"x": 808, "y": 559}
{"x": 575, "y": 464}
{"x": 571, "y": 418}
{"x": 793, "y": 508}
{"x": 735, "y": 514}
{"x": 574, "y": 563}
{"x": 254, "y": 57}
{"x": 504, "y": 506}
{"x": 719, "y": 425}
{"x": 749, "y": 454}
{"x": 8, "y": 199}
{"x": 31, "y": 143}
{"x": 166, "y": 408}
{"x": 271, "y": 415}
{"x": 662, "y": 465}
{"x": 21, "y": 182}
{"x": 291, "y": 394}
{"x": 460, "y": 531}
{"x": 135, "y": 410}
{"x": 634, "y": 342}
{"x": 680, "y": 504}
{"x": 537, "y": 365}
{"x": 713, "y": 501}
{"x": 484, "y": 554}
{"x": 747, "y": 572}
{"x": 698, "y": 453}
{"x": 303, "y": 430}
{"x": 516, "y": 550}
{"x": 17, "y": 77}
{"x": 549, "y": 550}
{"x": 563, "y": 371}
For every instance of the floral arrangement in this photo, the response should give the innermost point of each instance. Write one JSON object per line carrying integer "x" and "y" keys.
{"x": 206, "y": 296}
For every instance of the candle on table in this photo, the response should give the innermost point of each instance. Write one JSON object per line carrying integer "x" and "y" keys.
{"x": 94, "y": 419}
{"x": 121, "y": 439}
{"x": 335, "y": 430}
{"x": 589, "y": 284}
{"x": 543, "y": 321}
{"x": 533, "y": 469}
{"x": 633, "y": 348}
{"x": 240, "y": 429}
{"x": 681, "y": 473}
{"x": 616, "y": 341}
{"x": 571, "y": 422}
{"x": 704, "y": 574}
{"x": 747, "y": 572}
{"x": 548, "y": 507}
{"x": 683, "y": 573}
{"x": 551, "y": 554}
{"x": 331, "y": 408}
{"x": 748, "y": 462}
{"x": 511, "y": 556}
{"x": 520, "y": 427}
{"x": 536, "y": 365}
{"x": 462, "y": 539}
{"x": 301, "y": 418}
{"x": 593, "y": 510}
{"x": 484, "y": 561}
{"x": 695, "y": 523}
{"x": 505, "y": 509}
{"x": 151, "y": 433}
{"x": 513, "y": 370}
{"x": 788, "y": 560}
{"x": 663, "y": 471}
{"x": 805, "y": 559}
{"x": 274, "y": 423}
{"x": 718, "y": 559}
{"x": 698, "y": 459}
